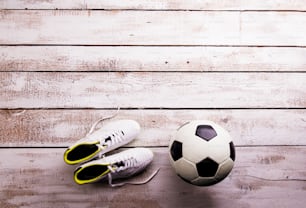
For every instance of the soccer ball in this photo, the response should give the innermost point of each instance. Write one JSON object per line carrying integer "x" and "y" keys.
{"x": 202, "y": 153}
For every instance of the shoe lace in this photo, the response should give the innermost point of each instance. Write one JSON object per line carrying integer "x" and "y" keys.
{"x": 93, "y": 127}
{"x": 111, "y": 139}
{"x": 129, "y": 162}
{"x": 114, "y": 138}
{"x": 119, "y": 166}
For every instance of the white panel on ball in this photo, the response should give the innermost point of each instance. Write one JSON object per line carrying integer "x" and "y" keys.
{"x": 202, "y": 152}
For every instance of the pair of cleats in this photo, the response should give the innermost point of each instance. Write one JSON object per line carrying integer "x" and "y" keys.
{"x": 95, "y": 165}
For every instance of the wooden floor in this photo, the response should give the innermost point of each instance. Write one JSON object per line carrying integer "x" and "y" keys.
{"x": 240, "y": 63}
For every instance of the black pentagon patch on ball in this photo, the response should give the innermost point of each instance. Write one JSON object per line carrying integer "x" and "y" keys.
{"x": 176, "y": 150}
{"x": 232, "y": 151}
{"x": 206, "y": 132}
{"x": 207, "y": 168}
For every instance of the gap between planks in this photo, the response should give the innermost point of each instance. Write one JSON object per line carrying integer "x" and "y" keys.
{"x": 155, "y": 45}
{"x": 164, "y": 10}
{"x": 235, "y": 5}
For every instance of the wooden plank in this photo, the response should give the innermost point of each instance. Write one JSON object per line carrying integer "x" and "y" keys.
{"x": 152, "y": 90}
{"x": 156, "y": 4}
{"x": 152, "y": 28}
{"x": 262, "y": 176}
{"x": 82, "y": 58}
{"x": 200, "y": 5}
{"x": 60, "y": 128}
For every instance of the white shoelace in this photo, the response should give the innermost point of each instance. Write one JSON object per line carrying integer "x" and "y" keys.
{"x": 93, "y": 127}
{"x": 125, "y": 164}
{"x": 149, "y": 178}
{"x": 114, "y": 138}
{"x": 111, "y": 139}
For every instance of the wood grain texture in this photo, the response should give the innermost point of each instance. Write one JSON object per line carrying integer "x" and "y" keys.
{"x": 156, "y": 4}
{"x": 58, "y": 128}
{"x": 261, "y": 176}
{"x": 240, "y": 63}
{"x": 142, "y": 58}
{"x": 152, "y": 90}
{"x": 152, "y": 28}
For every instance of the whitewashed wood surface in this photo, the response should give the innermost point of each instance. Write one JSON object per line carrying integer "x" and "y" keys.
{"x": 248, "y": 127}
{"x": 146, "y": 58}
{"x": 65, "y": 64}
{"x": 152, "y": 90}
{"x": 267, "y": 5}
{"x": 124, "y": 27}
{"x": 261, "y": 177}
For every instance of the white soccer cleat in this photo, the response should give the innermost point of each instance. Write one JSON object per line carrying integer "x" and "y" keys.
{"x": 121, "y": 165}
{"x": 111, "y": 136}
